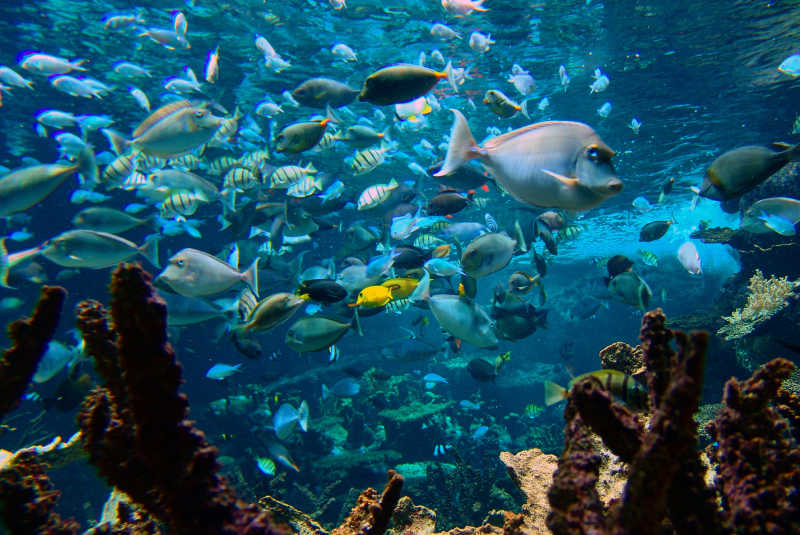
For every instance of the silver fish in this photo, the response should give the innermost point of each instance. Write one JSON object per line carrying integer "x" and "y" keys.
{"x": 96, "y": 250}
{"x": 170, "y": 131}
{"x": 193, "y": 273}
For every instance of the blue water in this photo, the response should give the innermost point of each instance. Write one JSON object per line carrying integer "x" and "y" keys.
{"x": 702, "y": 79}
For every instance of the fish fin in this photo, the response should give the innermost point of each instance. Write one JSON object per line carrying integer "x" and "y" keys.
{"x": 524, "y": 108}
{"x": 150, "y": 249}
{"x": 302, "y": 416}
{"x": 332, "y": 115}
{"x": 228, "y": 199}
{"x": 357, "y": 323}
{"x": 250, "y": 277}
{"x": 118, "y": 142}
{"x": 4, "y": 268}
{"x": 553, "y": 393}
{"x": 569, "y": 182}
{"x": 451, "y": 78}
{"x": 422, "y": 291}
{"x": 462, "y": 148}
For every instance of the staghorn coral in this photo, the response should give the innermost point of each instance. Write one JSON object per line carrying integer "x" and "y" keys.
{"x": 766, "y": 298}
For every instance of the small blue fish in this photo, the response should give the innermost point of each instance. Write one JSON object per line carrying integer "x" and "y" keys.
{"x": 381, "y": 264}
{"x": 635, "y": 125}
{"x": 80, "y": 196}
{"x": 266, "y": 465}
{"x": 469, "y": 405}
{"x": 791, "y": 65}
{"x": 642, "y": 204}
{"x": 135, "y": 207}
{"x": 604, "y": 110}
{"x": 10, "y": 303}
{"x": 218, "y": 372}
{"x": 441, "y": 449}
{"x": 333, "y": 192}
{"x": 480, "y": 432}
{"x": 434, "y": 378}
{"x": 20, "y": 235}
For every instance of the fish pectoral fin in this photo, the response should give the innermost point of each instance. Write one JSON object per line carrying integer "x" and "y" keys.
{"x": 569, "y": 182}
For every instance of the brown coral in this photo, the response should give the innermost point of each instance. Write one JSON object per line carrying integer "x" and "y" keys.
{"x": 622, "y": 357}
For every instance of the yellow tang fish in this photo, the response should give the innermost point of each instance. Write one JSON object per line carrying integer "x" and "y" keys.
{"x": 401, "y": 287}
{"x": 373, "y": 297}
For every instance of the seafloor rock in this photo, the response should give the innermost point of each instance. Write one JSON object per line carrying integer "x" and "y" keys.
{"x": 414, "y": 411}
{"x": 532, "y": 471}
{"x": 410, "y": 519}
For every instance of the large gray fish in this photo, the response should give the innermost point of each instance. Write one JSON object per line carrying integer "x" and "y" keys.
{"x": 194, "y": 273}
{"x": 460, "y": 316}
{"x": 630, "y": 288}
{"x": 740, "y": 170}
{"x": 556, "y": 164}
{"x": 23, "y": 188}
{"x": 170, "y": 131}
{"x": 487, "y": 254}
{"x": 320, "y": 92}
{"x": 105, "y": 219}
{"x": 315, "y": 333}
{"x": 96, "y": 250}
{"x": 189, "y": 310}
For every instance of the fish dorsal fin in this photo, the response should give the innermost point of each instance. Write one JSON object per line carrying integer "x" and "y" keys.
{"x": 159, "y": 114}
{"x": 495, "y": 141}
{"x": 780, "y": 145}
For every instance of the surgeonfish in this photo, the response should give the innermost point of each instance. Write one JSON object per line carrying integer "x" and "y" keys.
{"x": 194, "y": 273}
{"x": 553, "y": 164}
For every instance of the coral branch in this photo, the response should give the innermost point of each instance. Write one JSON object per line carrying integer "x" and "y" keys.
{"x": 31, "y": 338}
{"x": 371, "y": 514}
{"x": 136, "y": 429}
{"x": 758, "y": 456}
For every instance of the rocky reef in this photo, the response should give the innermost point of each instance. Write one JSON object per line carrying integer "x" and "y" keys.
{"x": 619, "y": 472}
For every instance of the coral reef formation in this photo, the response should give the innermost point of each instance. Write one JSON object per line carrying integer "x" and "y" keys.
{"x": 135, "y": 428}
{"x": 766, "y": 298}
{"x": 31, "y": 338}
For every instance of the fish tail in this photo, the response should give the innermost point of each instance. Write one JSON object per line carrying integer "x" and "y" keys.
{"x": 250, "y": 277}
{"x": 524, "y": 108}
{"x": 794, "y": 153}
{"x": 478, "y": 6}
{"x": 86, "y": 165}
{"x": 228, "y": 200}
{"x": 422, "y": 291}
{"x": 119, "y": 143}
{"x": 4, "y": 267}
{"x": 462, "y": 148}
{"x": 357, "y": 323}
{"x": 150, "y": 249}
{"x": 553, "y": 393}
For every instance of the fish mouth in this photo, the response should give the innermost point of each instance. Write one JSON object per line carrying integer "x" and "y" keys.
{"x": 615, "y": 185}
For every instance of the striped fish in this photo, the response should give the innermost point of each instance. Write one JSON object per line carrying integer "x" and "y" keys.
{"x": 327, "y": 142}
{"x": 190, "y": 162}
{"x": 398, "y": 306}
{"x": 148, "y": 161}
{"x": 183, "y": 203}
{"x": 620, "y": 384}
{"x": 134, "y": 181}
{"x": 219, "y": 166}
{"x": 427, "y": 241}
{"x": 305, "y": 188}
{"x": 118, "y": 169}
{"x": 283, "y": 177}
{"x": 255, "y": 158}
{"x": 227, "y": 129}
{"x": 240, "y": 177}
{"x": 368, "y": 160}
{"x": 375, "y": 195}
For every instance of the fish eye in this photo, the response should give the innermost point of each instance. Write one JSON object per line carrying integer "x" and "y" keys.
{"x": 180, "y": 263}
{"x": 593, "y": 153}
{"x": 199, "y": 113}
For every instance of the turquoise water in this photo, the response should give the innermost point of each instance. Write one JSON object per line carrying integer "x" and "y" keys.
{"x": 700, "y": 80}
